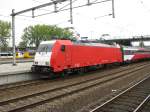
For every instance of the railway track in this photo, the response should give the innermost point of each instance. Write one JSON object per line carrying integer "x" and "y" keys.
{"x": 15, "y": 90}
{"x": 144, "y": 106}
{"x": 11, "y": 88}
{"x": 36, "y": 99}
{"x": 37, "y": 82}
{"x": 19, "y": 84}
{"x": 133, "y": 99}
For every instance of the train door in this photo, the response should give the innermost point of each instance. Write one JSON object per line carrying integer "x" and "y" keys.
{"x": 67, "y": 53}
{"x": 68, "y": 56}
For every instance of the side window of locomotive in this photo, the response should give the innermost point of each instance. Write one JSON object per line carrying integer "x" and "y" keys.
{"x": 40, "y": 48}
{"x": 63, "y": 48}
{"x": 49, "y": 48}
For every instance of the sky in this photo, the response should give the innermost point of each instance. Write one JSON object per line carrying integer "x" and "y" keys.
{"x": 132, "y": 17}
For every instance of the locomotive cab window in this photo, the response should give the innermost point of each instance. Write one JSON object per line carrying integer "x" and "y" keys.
{"x": 45, "y": 48}
{"x": 63, "y": 48}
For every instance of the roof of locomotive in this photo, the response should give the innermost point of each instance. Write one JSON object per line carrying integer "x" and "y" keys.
{"x": 48, "y": 42}
{"x": 64, "y": 42}
{"x": 95, "y": 44}
{"x": 68, "y": 42}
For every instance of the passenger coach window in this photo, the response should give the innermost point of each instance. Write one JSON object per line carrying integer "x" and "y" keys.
{"x": 128, "y": 52}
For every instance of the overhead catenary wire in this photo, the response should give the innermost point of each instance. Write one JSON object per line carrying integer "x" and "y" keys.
{"x": 37, "y": 1}
{"x": 102, "y": 16}
{"x": 67, "y": 5}
{"x": 24, "y": 18}
{"x": 73, "y": 8}
{"x": 43, "y": 9}
{"x": 36, "y": 7}
{"x": 58, "y": 9}
{"x": 4, "y": 15}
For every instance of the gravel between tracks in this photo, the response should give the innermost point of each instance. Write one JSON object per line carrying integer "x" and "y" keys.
{"x": 75, "y": 102}
{"x": 129, "y": 100}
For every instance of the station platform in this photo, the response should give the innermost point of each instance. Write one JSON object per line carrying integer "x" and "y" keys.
{"x": 20, "y": 72}
{"x": 6, "y": 69}
{"x": 18, "y": 60}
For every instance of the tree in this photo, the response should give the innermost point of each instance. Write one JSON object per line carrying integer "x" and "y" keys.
{"x": 23, "y": 44}
{"x": 5, "y": 28}
{"x": 33, "y": 35}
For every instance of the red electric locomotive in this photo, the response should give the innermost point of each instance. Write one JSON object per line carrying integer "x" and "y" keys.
{"x": 63, "y": 55}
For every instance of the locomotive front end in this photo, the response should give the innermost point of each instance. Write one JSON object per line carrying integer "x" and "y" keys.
{"x": 43, "y": 57}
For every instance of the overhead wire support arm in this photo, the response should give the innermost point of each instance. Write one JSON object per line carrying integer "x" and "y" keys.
{"x": 88, "y": 2}
{"x": 37, "y": 7}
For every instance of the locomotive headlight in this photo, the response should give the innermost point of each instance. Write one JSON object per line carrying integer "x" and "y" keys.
{"x": 47, "y": 63}
{"x": 35, "y": 62}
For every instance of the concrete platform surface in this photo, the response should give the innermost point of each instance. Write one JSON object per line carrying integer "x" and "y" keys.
{"x": 7, "y": 69}
{"x": 9, "y": 61}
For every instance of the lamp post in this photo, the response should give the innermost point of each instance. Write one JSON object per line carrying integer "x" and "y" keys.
{"x": 13, "y": 38}
{"x": 113, "y": 9}
{"x": 0, "y": 48}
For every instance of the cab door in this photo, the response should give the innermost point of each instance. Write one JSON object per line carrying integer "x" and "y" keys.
{"x": 68, "y": 59}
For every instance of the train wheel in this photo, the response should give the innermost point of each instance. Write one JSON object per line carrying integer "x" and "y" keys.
{"x": 81, "y": 71}
{"x": 64, "y": 74}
